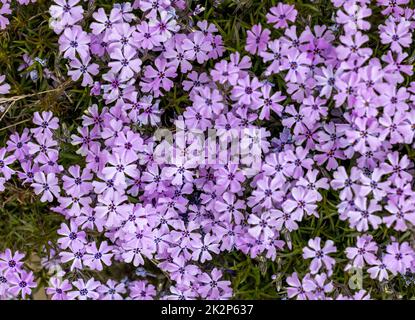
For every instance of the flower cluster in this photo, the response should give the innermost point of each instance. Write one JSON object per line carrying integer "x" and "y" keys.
{"x": 345, "y": 117}
{"x": 15, "y": 280}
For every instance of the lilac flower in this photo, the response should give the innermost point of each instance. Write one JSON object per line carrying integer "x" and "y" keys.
{"x": 363, "y": 214}
{"x": 398, "y": 257}
{"x": 47, "y": 185}
{"x": 202, "y": 249}
{"x": 213, "y": 288}
{"x": 165, "y": 25}
{"x": 246, "y": 91}
{"x": 4, "y": 87}
{"x": 311, "y": 183}
{"x": 229, "y": 178}
{"x": 296, "y": 287}
{"x": 119, "y": 167}
{"x": 158, "y": 78}
{"x": 208, "y": 100}
{"x": 46, "y": 123}
{"x": 230, "y": 208}
{"x": 78, "y": 182}
{"x": 316, "y": 288}
{"x": 103, "y": 22}
{"x": 270, "y": 102}
{"x": 67, "y": 12}
{"x": 75, "y": 256}
{"x": 176, "y": 56}
{"x": 267, "y": 194}
{"x": 319, "y": 254}
{"x": 58, "y": 289}
{"x": 353, "y": 17}
{"x": 21, "y": 283}
{"x": 261, "y": 226}
{"x": 373, "y": 184}
{"x": 280, "y": 14}
{"x": 257, "y": 39}
{"x": 85, "y": 291}
{"x": 401, "y": 213}
{"x": 351, "y": 47}
{"x": 95, "y": 258}
{"x": 74, "y": 40}
{"x": 297, "y": 65}
{"x": 392, "y": 7}
{"x": 378, "y": 271}
{"x": 182, "y": 272}
{"x": 126, "y": 64}
{"x": 147, "y": 36}
{"x": 296, "y": 161}
{"x": 141, "y": 290}
{"x": 71, "y": 236}
{"x": 302, "y": 202}
{"x": 112, "y": 290}
{"x": 278, "y": 50}
{"x": 364, "y": 252}
{"x": 196, "y": 47}
{"x": 5, "y": 162}
{"x": 398, "y": 35}
{"x": 83, "y": 68}
{"x": 286, "y": 220}
{"x": 11, "y": 262}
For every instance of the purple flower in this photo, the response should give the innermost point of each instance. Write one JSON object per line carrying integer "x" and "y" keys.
{"x": 363, "y": 214}
{"x": 296, "y": 287}
{"x": 257, "y": 39}
{"x": 317, "y": 287}
{"x": 141, "y": 290}
{"x": 158, "y": 78}
{"x": 303, "y": 202}
{"x": 353, "y": 17}
{"x": 5, "y": 161}
{"x": 83, "y": 68}
{"x": 126, "y": 64}
{"x": 71, "y": 237}
{"x": 47, "y": 185}
{"x": 74, "y": 40}
{"x": 95, "y": 258}
{"x": 202, "y": 249}
{"x": 398, "y": 257}
{"x": 246, "y": 91}
{"x": 319, "y": 254}
{"x": 402, "y": 212}
{"x": 21, "y": 283}
{"x": 364, "y": 252}
{"x": 196, "y": 47}
{"x": 11, "y": 262}
{"x": 112, "y": 290}
{"x": 147, "y": 36}
{"x": 66, "y": 12}
{"x": 280, "y": 14}
{"x": 398, "y": 35}
{"x": 213, "y": 288}
{"x": 297, "y": 64}
{"x": 4, "y": 87}
{"x": 84, "y": 291}
{"x": 45, "y": 122}
{"x": 58, "y": 289}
